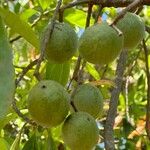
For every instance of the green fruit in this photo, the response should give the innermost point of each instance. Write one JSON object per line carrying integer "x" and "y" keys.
{"x": 88, "y": 98}
{"x": 80, "y": 131}
{"x": 100, "y": 44}
{"x": 62, "y": 44}
{"x": 133, "y": 29}
{"x": 48, "y": 103}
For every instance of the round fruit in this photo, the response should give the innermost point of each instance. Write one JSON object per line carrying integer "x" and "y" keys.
{"x": 133, "y": 29}
{"x": 100, "y": 44}
{"x": 62, "y": 44}
{"x": 80, "y": 131}
{"x": 48, "y": 103}
{"x": 88, "y": 98}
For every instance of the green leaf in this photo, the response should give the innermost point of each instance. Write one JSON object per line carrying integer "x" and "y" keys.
{"x": 32, "y": 143}
{"x": 58, "y": 72}
{"x": 3, "y": 144}
{"x": 6, "y": 119}
{"x": 19, "y": 26}
{"x": 16, "y": 143}
{"x": 44, "y": 3}
{"x": 92, "y": 71}
{"x": 76, "y": 17}
{"x": 7, "y": 72}
{"x": 50, "y": 143}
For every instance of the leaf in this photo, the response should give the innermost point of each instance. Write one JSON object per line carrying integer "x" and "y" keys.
{"x": 19, "y": 26}
{"x": 7, "y": 72}
{"x": 76, "y": 17}
{"x": 44, "y": 3}
{"x": 6, "y": 119}
{"x": 92, "y": 71}
{"x": 16, "y": 143}
{"x": 31, "y": 144}
{"x": 3, "y": 144}
{"x": 58, "y": 72}
{"x": 50, "y": 143}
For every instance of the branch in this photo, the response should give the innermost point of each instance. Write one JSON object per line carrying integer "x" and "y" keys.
{"x": 25, "y": 70}
{"x": 26, "y": 119}
{"x": 131, "y": 6}
{"x": 108, "y": 129}
{"x": 47, "y": 35}
{"x": 77, "y": 72}
{"x": 148, "y": 90}
{"x": 105, "y": 3}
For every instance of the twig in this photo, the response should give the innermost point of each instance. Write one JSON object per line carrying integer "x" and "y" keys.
{"x": 148, "y": 90}
{"x": 26, "y": 119}
{"x": 98, "y": 13}
{"x": 105, "y": 3}
{"x": 25, "y": 70}
{"x": 133, "y": 5}
{"x": 75, "y": 75}
{"x": 90, "y": 5}
{"x": 77, "y": 72}
{"x": 108, "y": 129}
{"x": 14, "y": 105}
{"x": 47, "y": 35}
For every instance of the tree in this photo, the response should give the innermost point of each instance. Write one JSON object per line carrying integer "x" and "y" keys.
{"x": 26, "y": 27}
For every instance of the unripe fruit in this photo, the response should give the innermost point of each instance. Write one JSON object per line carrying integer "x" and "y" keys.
{"x": 62, "y": 44}
{"x": 48, "y": 103}
{"x": 89, "y": 99}
{"x": 133, "y": 29}
{"x": 100, "y": 44}
{"x": 80, "y": 131}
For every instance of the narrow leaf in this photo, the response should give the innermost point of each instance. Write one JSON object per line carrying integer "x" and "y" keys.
{"x": 92, "y": 71}
{"x": 7, "y": 73}
{"x": 16, "y": 143}
{"x": 31, "y": 144}
{"x": 19, "y": 26}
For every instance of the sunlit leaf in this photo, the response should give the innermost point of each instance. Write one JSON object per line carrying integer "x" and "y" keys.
{"x": 76, "y": 17}
{"x": 44, "y": 3}
{"x": 92, "y": 71}
{"x": 19, "y": 26}
{"x": 4, "y": 144}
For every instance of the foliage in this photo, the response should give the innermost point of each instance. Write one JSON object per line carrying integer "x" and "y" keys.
{"x": 25, "y": 21}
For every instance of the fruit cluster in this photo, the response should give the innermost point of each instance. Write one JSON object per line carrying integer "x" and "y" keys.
{"x": 99, "y": 44}
{"x": 49, "y": 103}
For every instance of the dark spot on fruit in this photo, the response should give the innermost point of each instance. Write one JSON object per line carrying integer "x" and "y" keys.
{"x": 43, "y": 86}
{"x": 88, "y": 119}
